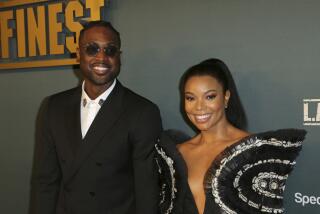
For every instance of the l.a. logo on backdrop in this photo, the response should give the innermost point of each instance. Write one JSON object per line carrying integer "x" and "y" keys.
{"x": 41, "y": 33}
{"x": 311, "y": 112}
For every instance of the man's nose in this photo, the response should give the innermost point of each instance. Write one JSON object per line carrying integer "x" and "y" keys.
{"x": 101, "y": 55}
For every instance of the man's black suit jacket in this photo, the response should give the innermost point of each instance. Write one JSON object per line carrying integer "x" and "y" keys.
{"x": 111, "y": 170}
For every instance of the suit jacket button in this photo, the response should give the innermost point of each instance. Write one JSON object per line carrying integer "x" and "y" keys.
{"x": 92, "y": 194}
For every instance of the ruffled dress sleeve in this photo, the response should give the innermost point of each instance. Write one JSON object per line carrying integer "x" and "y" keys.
{"x": 250, "y": 175}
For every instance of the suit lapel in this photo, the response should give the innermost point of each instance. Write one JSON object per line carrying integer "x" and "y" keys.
{"x": 107, "y": 116}
{"x": 73, "y": 121}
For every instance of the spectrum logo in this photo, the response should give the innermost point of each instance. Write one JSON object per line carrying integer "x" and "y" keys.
{"x": 304, "y": 200}
{"x": 311, "y": 112}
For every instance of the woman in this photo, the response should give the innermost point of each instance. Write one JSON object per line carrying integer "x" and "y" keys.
{"x": 223, "y": 168}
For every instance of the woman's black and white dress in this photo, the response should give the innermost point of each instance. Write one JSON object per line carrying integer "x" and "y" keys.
{"x": 248, "y": 177}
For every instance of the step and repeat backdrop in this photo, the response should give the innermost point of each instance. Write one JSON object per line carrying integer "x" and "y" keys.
{"x": 271, "y": 47}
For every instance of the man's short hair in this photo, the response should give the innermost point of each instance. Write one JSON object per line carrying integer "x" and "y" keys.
{"x": 99, "y": 23}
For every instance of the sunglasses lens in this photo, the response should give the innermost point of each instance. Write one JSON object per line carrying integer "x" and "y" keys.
{"x": 110, "y": 50}
{"x": 92, "y": 49}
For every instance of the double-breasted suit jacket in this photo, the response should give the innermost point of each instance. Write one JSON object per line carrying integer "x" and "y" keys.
{"x": 111, "y": 170}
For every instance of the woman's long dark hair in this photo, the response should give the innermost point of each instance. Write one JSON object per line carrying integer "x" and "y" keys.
{"x": 218, "y": 69}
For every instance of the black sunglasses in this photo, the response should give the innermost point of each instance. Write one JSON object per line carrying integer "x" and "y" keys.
{"x": 92, "y": 49}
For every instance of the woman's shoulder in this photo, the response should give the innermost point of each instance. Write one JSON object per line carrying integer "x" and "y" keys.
{"x": 237, "y": 135}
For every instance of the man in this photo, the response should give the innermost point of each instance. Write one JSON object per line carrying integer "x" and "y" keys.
{"x": 97, "y": 140}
